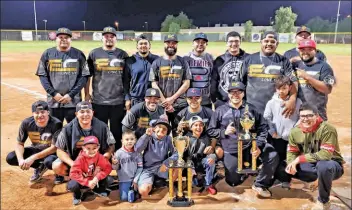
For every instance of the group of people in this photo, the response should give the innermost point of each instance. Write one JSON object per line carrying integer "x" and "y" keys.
{"x": 137, "y": 103}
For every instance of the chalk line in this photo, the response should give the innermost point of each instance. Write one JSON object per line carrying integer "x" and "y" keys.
{"x": 35, "y": 93}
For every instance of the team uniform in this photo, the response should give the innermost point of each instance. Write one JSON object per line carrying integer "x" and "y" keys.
{"x": 108, "y": 84}
{"x": 226, "y": 69}
{"x": 201, "y": 68}
{"x": 295, "y": 53}
{"x": 138, "y": 69}
{"x": 64, "y": 73}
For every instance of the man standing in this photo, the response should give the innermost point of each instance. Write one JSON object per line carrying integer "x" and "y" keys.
{"x": 71, "y": 137}
{"x": 140, "y": 115}
{"x": 201, "y": 65}
{"x": 40, "y": 128}
{"x": 137, "y": 70}
{"x": 293, "y": 54}
{"x": 106, "y": 65}
{"x": 171, "y": 75}
{"x": 63, "y": 73}
{"x": 225, "y": 126}
{"x": 226, "y": 68}
{"x": 316, "y": 77}
{"x": 259, "y": 71}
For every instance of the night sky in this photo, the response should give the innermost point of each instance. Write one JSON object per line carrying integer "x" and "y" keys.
{"x": 131, "y": 14}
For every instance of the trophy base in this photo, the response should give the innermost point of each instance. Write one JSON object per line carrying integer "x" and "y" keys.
{"x": 180, "y": 202}
{"x": 247, "y": 171}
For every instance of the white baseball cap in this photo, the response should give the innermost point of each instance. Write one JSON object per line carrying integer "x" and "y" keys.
{"x": 194, "y": 119}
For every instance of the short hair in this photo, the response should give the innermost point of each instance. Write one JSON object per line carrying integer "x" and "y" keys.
{"x": 142, "y": 36}
{"x": 309, "y": 107}
{"x": 282, "y": 80}
{"x": 232, "y": 34}
{"x": 128, "y": 132}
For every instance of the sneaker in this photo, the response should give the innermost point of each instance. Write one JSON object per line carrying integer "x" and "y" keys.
{"x": 59, "y": 179}
{"x": 76, "y": 201}
{"x": 38, "y": 173}
{"x": 286, "y": 185}
{"x": 261, "y": 191}
{"x": 321, "y": 206}
{"x": 211, "y": 190}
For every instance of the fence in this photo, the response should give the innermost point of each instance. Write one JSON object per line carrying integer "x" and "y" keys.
{"x": 19, "y": 35}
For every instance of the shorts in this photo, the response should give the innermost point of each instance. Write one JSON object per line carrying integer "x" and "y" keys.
{"x": 147, "y": 175}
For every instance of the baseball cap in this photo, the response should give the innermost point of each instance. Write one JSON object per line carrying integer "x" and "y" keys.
{"x": 302, "y": 29}
{"x": 271, "y": 33}
{"x": 307, "y": 43}
{"x": 236, "y": 86}
{"x": 201, "y": 36}
{"x": 194, "y": 119}
{"x": 163, "y": 121}
{"x": 191, "y": 92}
{"x": 40, "y": 105}
{"x": 83, "y": 105}
{"x": 63, "y": 31}
{"x": 152, "y": 92}
{"x": 109, "y": 30}
{"x": 170, "y": 38}
{"x": 90, "y": 140}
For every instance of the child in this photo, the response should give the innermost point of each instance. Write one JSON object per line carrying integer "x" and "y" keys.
{"x": 90, "y": 169}
{"x": 157, "y": 146}
{"x": 198, "y": 151}
{"x": 128, "y": 163}
{"x": 279, "y": 126}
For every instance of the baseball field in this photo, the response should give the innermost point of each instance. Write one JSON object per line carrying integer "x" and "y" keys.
{"x": 20, "y": 88}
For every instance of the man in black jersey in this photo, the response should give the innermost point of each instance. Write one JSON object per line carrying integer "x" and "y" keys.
{"x": 63, "y": 73}
{"x": 40, "y": 128}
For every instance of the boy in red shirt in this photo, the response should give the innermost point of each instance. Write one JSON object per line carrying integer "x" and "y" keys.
{"x": 90, "y": 169}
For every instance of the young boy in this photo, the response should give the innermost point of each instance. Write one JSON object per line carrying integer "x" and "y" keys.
{"x": 158, "y": 150}
{"x": 279, "y": 126}
{"x": 128, "y": 163}
{"x": 202, "y": 160}
{"x": 90, "y": 169}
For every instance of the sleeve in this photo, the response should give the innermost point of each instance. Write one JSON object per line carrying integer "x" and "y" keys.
{"x": 214, "y": 81}
{"x": 327, "y": 76}
{"x": 288, "y": 70}
{"x": 154, "y": 72}
{"x": 90, "y": 63}
{"x": 268, "y": 116}
{"x": 22, "y": 133}
{"x": 262, "y": 130}
{"x": 42, "y": 69}
{"x": 187, "y": 73}
{"x": 213, "y": 129}
{"x": 105, "y": 167}
{"x": 243, "y": 74}
{"x": 84, "y": 70}
{"x": 44, "y": 80}
{"x": 292, "y": 149}
{"x": 139, "y": 168}
{"x": 61, "y": 140}
{"x": 321, "y": 56}
{"x": 76, "y": 172}
{"x": 110, "y": 138}
{"x": 326, "y": 149}
{"x": 127, "y": 78}
{"x": 142, "y": 143}
{"x": 56, "y": 131}
{"x": 287, "y": 55}
{"x": 129, "y": 120}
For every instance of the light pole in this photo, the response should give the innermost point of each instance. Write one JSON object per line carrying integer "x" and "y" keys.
{"x": 35, "y": 22}
{"x": 146, "y": 26}
{"x": 84, "y": 25}
{"x": 337, "y": 21}
{"x": 117, "y": 25}
{"x": 46, "y": 35}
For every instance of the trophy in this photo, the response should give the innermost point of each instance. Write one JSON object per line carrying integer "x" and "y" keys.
{"x": 247, "y": 121}
{"x": 180, "y": 143}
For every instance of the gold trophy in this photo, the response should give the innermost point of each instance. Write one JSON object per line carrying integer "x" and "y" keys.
{"x": 180, "y": 143}
{"x": 247, "y": 121}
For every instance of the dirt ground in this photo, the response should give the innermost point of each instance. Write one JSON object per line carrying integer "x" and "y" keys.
{"x": 17, "y": 193}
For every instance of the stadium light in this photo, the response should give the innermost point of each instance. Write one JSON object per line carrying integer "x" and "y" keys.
{"x": 117, "y": 25}
{"x": 84, "y": 25}
{"x": 337, "y": 21}
{"x": 35, "y": 21}
{"x": 146, "y": 26}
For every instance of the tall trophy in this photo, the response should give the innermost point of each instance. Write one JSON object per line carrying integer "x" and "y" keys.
{"x": 180, "y": 143}
{"x": 244, "y": 166}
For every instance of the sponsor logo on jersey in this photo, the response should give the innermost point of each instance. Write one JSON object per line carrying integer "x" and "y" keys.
{"x": 80, "y": 142}
{"x": 229, "y": 73}
{"x": 69, "y": 65}
{"x": 168, "y": 72}
{"x": 143, "y": 122}
{"x": 104, "y": 64}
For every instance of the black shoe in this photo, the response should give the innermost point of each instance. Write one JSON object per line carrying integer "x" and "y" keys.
{"x": 59, "y": 179}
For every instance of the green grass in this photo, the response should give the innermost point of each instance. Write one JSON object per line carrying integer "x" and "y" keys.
{"x": 215, "y": 48}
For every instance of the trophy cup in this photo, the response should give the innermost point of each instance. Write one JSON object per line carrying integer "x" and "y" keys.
{"x": 180, "y": 143}
{"x": 247, "y": 121}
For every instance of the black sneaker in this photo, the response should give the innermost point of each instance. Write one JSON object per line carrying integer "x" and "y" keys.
{"x": 59, "y": 179}
{"x": 38, "y": 173}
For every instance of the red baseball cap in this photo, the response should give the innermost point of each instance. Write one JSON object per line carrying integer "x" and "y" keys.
{"x": 90, "y": 140}
{"x": 307, "y": 43}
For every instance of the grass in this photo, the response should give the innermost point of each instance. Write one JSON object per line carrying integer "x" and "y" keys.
{"x": 215, "y": 48}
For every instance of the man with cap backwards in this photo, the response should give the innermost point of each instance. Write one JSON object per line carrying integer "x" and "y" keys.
{"x": 316, "y": 77}
{"x": 225, "y": 126}
{"x": 141, "y": 114}
{"x": 106, "y": 65}
{"x": 293, "y": 54}
{"x": 40, "y": 128}
{"x": 259, "y": 71}
{"x": 70, "y": 139}
{"x": 171, "y": 75}
{"x": 63, "y": 73}
{"x": 201, "y": 65}
{"x": 226, "y": 68}
{"x": 137, "y": 70}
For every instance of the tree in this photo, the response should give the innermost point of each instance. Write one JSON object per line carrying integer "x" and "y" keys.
{"x": 317, "y": 24}
{"x": 284, "y": 20}
{"x": 248, "y": 26}
{"x": 344, "y": 25}
{"x": 174, "y": 28}
{"x": 165, "y": 25}
{"x": 182, "y": 20}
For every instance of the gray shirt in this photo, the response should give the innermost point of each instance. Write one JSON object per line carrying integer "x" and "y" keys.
{"x": 130, "y": 165}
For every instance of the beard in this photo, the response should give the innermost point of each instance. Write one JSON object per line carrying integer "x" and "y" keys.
{"x": 170, "y": 51}
{"x": 307, "y": 60}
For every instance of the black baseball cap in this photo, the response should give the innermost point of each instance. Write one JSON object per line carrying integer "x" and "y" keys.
{"x": 63, "y": 31}
{"x": 171, "y": 38}
{"x": 201, "y": 36}
{"x": 163, "y": 121}
{"x": 152, "y": 92}
{"x": 236, "y": 86}
{"x": 193, "y": 92}
{"x": 303, "y": 29}
{"x": 40, "y": 105}
{"x": 273, "y": 34}
{"x": 83, "y": 106}
{"x": 109, "y": 30}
